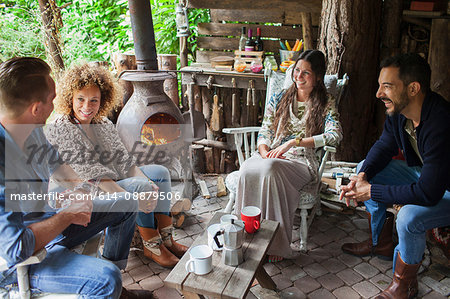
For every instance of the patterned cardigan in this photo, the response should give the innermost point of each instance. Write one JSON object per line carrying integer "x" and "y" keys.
{"x": 295, "y": 127}
{"x": 104, "y": 157}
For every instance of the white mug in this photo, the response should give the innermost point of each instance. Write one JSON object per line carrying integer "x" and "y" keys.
{"x": 225, "y": 219}
{"x": 201, "y": 260}
{"x": 212, "y": 230}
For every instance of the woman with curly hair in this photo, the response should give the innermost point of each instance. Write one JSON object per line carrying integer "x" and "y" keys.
{"x": 296, "y": 122}
{"x": 87, "y": 140}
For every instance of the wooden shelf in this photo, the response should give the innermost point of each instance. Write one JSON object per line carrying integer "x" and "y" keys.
{"x": 426, "y": 14}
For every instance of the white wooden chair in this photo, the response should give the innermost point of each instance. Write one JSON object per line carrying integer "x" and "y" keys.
{"x": 242, "y": 136}
{"x": 22, "y": 291}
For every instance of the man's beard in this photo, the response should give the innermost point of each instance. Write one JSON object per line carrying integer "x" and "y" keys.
{"x": 400, "y": 105}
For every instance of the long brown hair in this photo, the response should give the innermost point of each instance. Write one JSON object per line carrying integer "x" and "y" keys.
{"x": 316, "y": 103}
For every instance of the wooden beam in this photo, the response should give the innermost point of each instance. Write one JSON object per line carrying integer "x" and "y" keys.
{"x": 293, "y": 5}
{"x": 229, "y": 29}
{"x": 286, "y": 17}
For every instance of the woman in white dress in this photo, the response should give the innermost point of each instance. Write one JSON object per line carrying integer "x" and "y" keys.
{"x": 296, "y": 122}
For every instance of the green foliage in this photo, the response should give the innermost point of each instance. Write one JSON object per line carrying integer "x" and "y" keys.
{"x": 92, "y": 29}
{"x": 196, "y": 16}
{"x": 163, "y": 12}
{"x": 20, "y": 30}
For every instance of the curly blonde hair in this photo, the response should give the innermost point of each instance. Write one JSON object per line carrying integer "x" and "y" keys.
{"x": 86, "y": 75}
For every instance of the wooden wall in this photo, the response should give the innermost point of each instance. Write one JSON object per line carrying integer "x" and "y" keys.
{"x": 221, "y": 36}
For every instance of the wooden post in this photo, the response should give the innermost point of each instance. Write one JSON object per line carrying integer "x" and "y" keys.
{"x": 307, "y": 31}
{"x": 235, "y": 104}
{"x": 167, "y": 62}
{"x": 254, "y": 109}
{"x": 206, "y": 102}
{"x": 183, "y": 52}
{"x": 51, "y": 20}
{"x": 216, "y": 121}
{"x": 227, "y": 106}
{"x": 216, "y": 159}
{"x": 222, "y": 161}
{"x": 123, "y": 62}
{"x": 198, "y": 158}
{"x": 230, "y": 161}
{"x": 198, "y": 99}
{"x": 438, "y": 57}
{"x": 183, "y": 59}
{"x": 209, "y": 160}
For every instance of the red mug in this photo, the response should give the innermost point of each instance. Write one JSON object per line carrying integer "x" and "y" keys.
{"x": 252, "y": 217}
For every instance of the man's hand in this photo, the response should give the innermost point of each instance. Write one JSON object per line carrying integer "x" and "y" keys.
{"x": 80, "y": 208}
{"x": 280, "y": 150}
{"x": 357, "y": 190}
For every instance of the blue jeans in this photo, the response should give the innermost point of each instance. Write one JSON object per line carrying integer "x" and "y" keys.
{"x": 161, "y": 176}
{"x": 413, "y": 220}
{"x": 63, "y": 271}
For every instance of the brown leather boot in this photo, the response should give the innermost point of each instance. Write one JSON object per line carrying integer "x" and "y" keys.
{"x": 385, "y": 246}
{"x": 404, "y": 284}
{"x": 154, "y": 248}
{"x": 165, "y": 229}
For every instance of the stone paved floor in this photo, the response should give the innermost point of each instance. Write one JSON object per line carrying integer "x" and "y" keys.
{"x": 323, "y": 272}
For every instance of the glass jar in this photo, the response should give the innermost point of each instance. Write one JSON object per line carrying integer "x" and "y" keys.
{"x": 270, "y": 63}
{"x": 239, "y": 65}
{"x": 256, "y": 66}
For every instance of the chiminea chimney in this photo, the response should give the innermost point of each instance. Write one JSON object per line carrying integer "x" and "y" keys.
{"x": 143, "y": 34}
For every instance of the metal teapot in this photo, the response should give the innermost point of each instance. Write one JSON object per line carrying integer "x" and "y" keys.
{"x": 233, "y": 240}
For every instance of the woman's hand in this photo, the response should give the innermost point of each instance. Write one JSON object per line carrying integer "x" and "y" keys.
{"x": 148, "y": 201}
{"x": 263, "y": 150}
{"x": 280, "y": 150}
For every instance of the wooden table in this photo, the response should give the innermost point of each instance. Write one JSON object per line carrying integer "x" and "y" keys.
{"x": 227, "y": 281}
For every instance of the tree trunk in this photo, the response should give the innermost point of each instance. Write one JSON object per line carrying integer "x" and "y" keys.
{"x": 350, "y": 39}
{"x": 438, "y": 57}
{"x": 51, "y": 20}
{"x": 392, "y": 18}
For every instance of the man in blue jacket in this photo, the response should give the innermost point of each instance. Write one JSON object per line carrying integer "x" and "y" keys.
{"x": 418, "y": 123}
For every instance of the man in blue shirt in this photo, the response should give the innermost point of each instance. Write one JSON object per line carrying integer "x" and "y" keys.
{"x": 418, "y": 124}
{"x": 27, "y": 223}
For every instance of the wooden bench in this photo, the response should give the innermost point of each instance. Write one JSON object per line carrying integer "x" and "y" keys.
{"x": 227, "y": 281}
